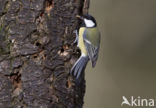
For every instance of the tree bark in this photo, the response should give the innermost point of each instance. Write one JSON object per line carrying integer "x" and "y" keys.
{"x": 37, "y": 53}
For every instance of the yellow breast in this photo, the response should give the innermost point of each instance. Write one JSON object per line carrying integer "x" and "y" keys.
{"x": 81, "y": 44}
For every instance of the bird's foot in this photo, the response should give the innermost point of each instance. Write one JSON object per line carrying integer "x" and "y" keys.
{"x": 77, "y": 36}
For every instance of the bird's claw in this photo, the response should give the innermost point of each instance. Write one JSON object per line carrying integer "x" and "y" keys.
{"x": 76, "y": 39}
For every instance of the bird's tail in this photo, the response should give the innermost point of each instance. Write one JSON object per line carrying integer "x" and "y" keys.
{"x": 79, "y": 66}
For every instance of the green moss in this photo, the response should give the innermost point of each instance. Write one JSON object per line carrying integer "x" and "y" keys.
{"x": 2, "y": 51}
{"x": 4, "y": 41}
{"x": 1, "y": 28}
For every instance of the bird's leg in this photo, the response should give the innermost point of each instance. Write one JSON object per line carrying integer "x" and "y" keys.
{"x": 77, "y": 36}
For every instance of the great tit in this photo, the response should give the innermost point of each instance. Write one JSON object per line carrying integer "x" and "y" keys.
{"x": 88, "y": 41}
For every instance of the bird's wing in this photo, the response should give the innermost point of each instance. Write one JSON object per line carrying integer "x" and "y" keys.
{"x": 92, "y": 43}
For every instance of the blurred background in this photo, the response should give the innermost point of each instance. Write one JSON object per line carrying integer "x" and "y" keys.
{"x": 127, "y": 59}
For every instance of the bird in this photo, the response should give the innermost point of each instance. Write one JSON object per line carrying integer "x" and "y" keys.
{"x": 88, "y": 41}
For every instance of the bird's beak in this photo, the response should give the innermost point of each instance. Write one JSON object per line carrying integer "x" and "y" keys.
{"x": 80, "y": 17}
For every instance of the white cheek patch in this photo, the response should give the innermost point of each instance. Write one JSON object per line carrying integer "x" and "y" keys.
{"x": 89, "y": 23}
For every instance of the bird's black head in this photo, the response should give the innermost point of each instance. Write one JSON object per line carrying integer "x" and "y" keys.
{"x": 88, "y": 21}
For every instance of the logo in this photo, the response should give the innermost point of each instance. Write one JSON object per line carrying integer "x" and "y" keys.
{"x": 133, "y": 101}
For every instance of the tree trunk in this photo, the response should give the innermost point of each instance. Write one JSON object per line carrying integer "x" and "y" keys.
{"x": 37, "y": 53}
